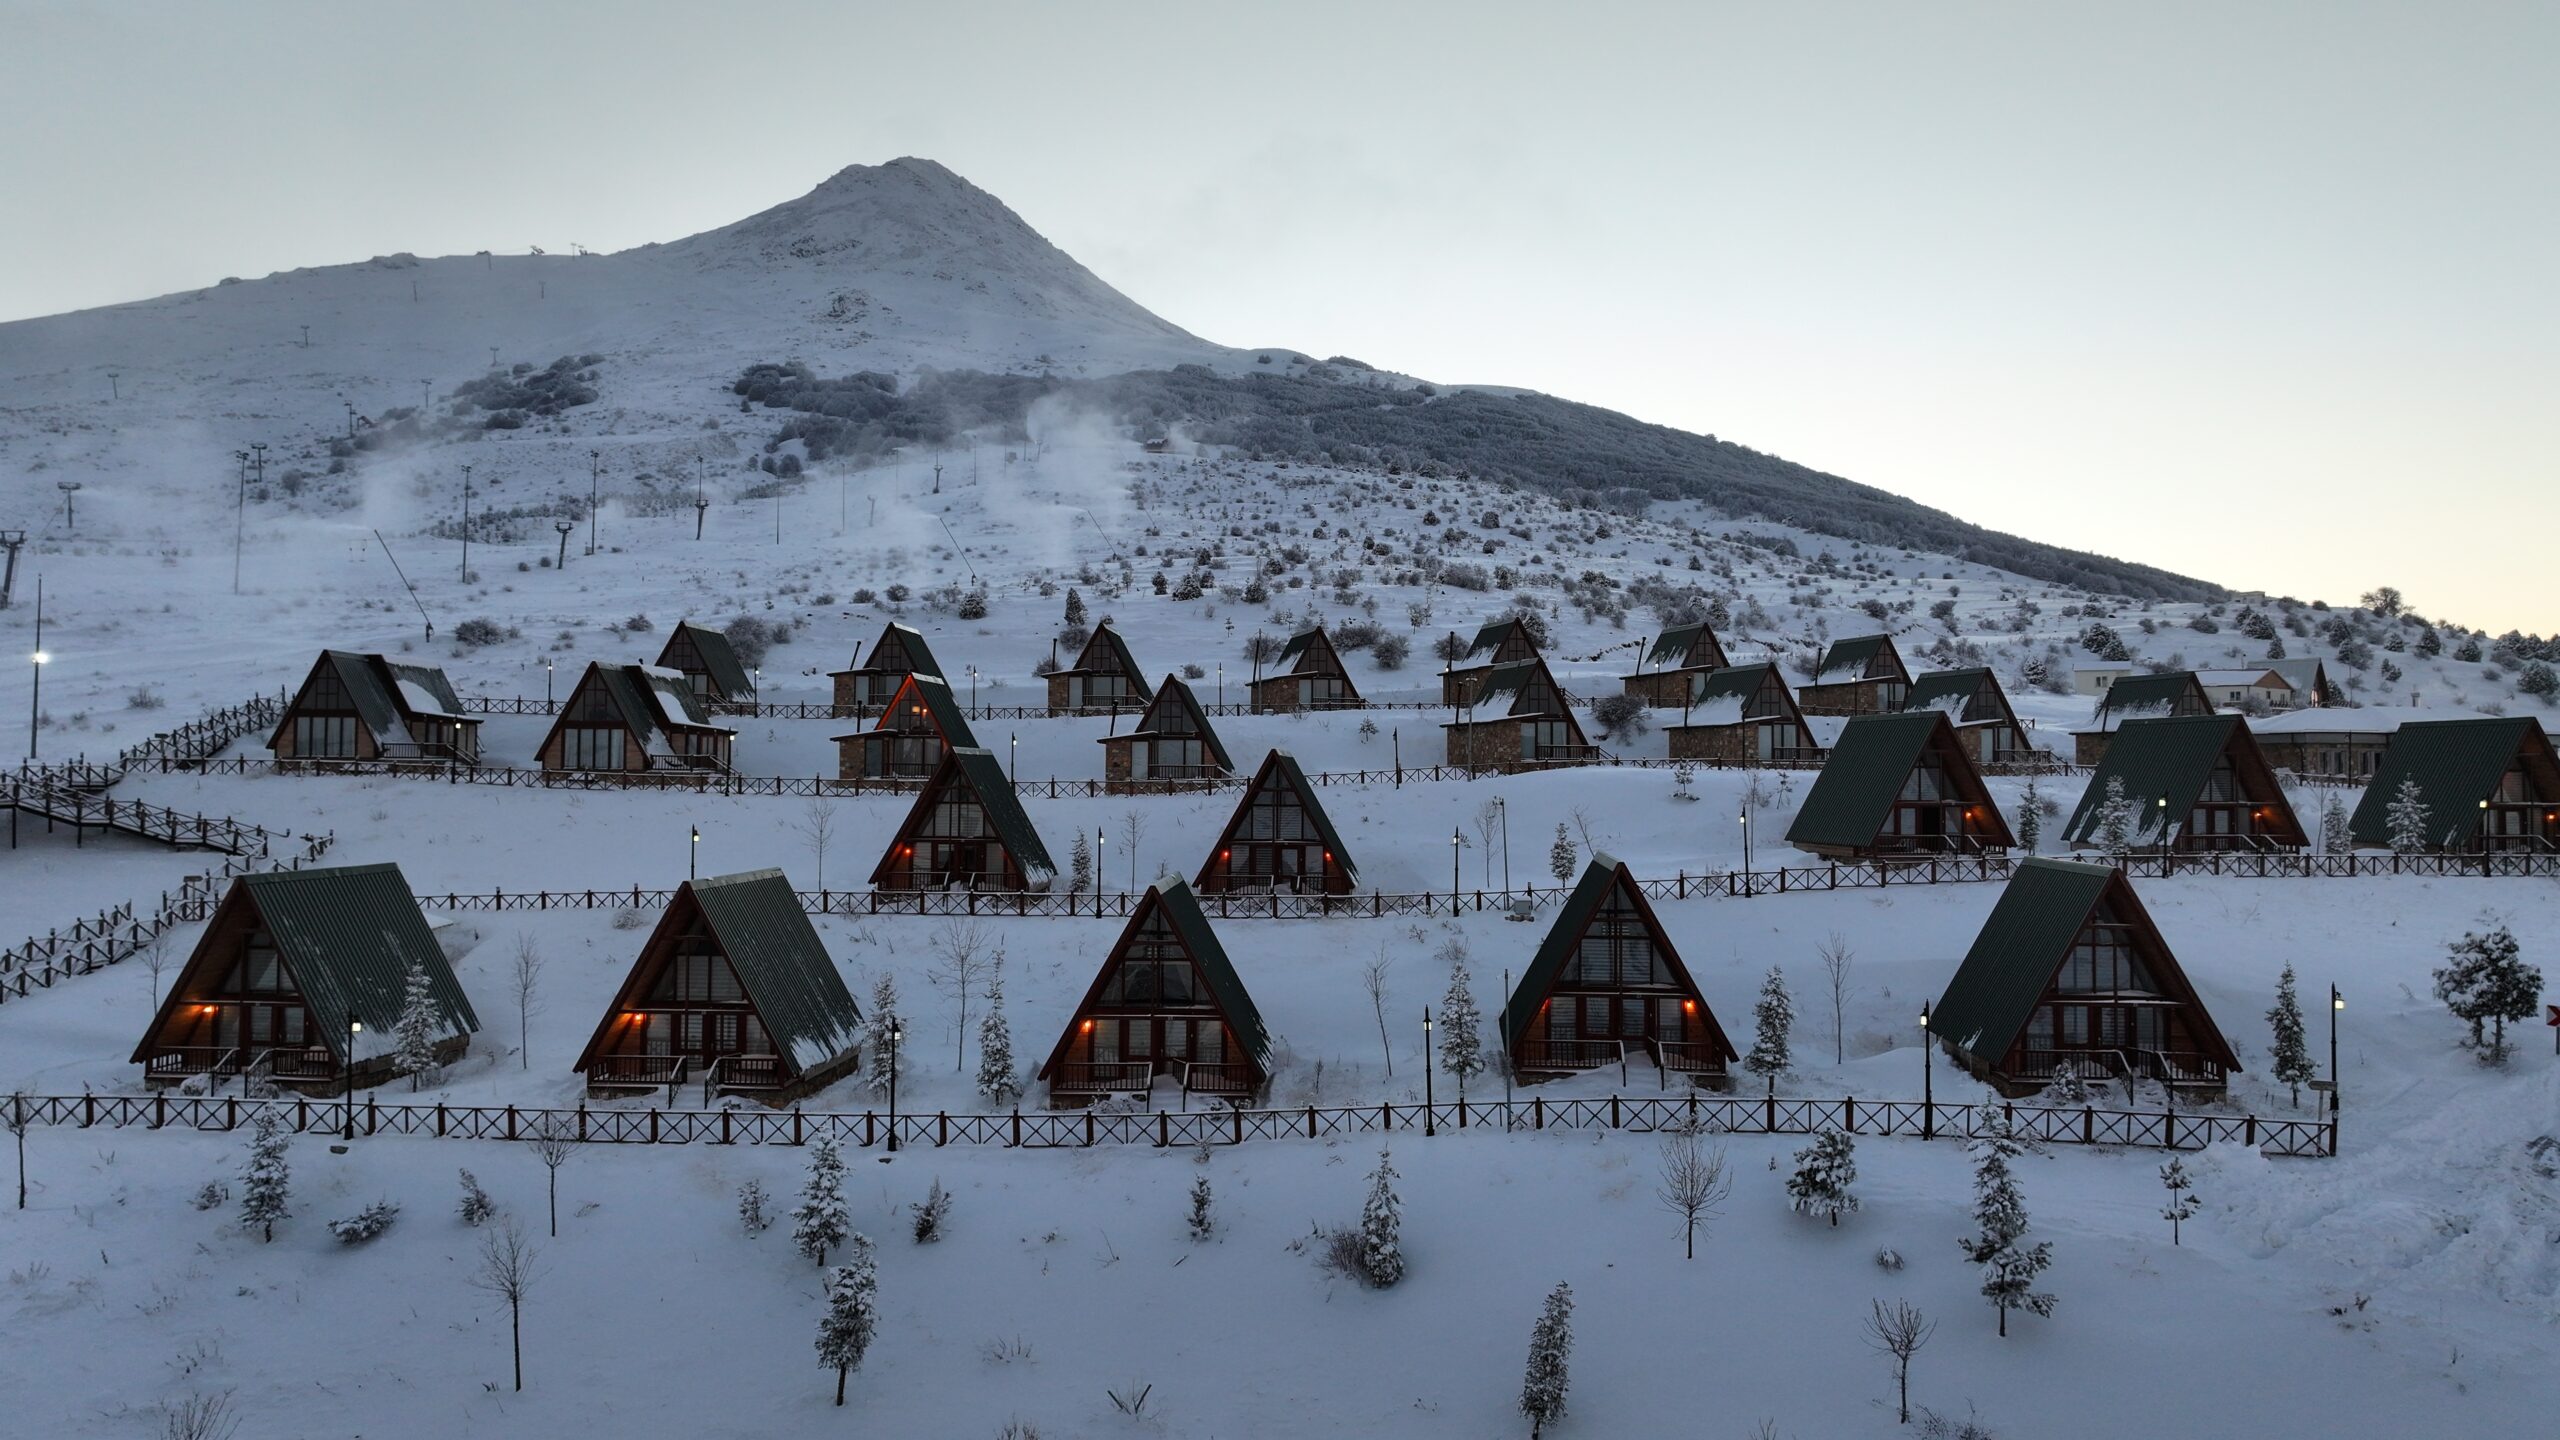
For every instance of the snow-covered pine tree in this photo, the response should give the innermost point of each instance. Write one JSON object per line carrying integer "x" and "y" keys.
{"x": 1773, "y": 1017}
{"x": 1075, "y": 606}
{"x": 415, "y": 1034}
{"x": 819, "y": 1223}
{"x": 1381, "y": 1223}
{"x": 2408, "y": 819}
{"x": 2115, "y": 820}
{"x": 1079, "y": 866}
{"x": 878, "y": 1055}
{"x": 1542, "y": 1388}
{"x": 2292, "y": 1063}
{"x": 2182, "y": 1195}
{"x": 2335, "y": 837}
{"x": 1203, "y": 1224}
{"x": 2031, "y": 818}
{"x": 752, "y": 1217}
{"x": 853, "y": 1317}
{"x": 2009, "y": 1268}
{"x": 266, "y": 1183}
{"x": 1825, "y": 1170}
{"x": 1560, "y": 856}
{"x": 1461, "y": 1031}
{"x": 928, "y": 1214}
{"x": 999, "y": 1079}
{"x": 476, "y": 1205}
{"x": 2486, "y": 982}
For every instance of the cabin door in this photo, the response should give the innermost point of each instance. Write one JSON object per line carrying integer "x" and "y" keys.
{"x": 1140, "y": 755}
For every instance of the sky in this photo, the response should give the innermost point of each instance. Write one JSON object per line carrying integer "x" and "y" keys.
{"x": 2264, "y": 294}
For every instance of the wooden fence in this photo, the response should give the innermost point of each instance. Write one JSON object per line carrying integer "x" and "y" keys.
{"x": 1216, "y": 1125}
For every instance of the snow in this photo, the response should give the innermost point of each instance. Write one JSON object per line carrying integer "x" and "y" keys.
{"x": 421, "y": 701}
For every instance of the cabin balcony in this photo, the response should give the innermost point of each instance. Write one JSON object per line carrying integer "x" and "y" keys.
{"x": 1093, "y": 1079}
{"x": 295, "y": 1065}
{"x": 2177, "y": 1069}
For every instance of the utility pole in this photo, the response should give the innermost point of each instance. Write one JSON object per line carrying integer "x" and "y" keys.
{"x": 699, "y": 503}
{"x": 351, "y": 416}
{"x": 937, "y": 479}
{"x": 10, "y": 540}
{"x": 70, "y": 513}
{"x": 115, "y": 390}
{"x": 595, "y": 478}
{"x": 466, "y": 524}
{"x": 35, "y": 685}
{"x": 306, "y": 337}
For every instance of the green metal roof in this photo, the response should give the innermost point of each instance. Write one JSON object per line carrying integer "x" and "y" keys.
{"x": 1846, "y": 660}
{"x": 376, "y": 703}
{"x": 719, "y": 657}
{"x": 2014, "y": 957}
{"x": 2456, "y": 764}
{"x": 1298, "y": 644}
{"x": 1734, "y": 682}
{"x": 943, "y": 706}
{"x": 919, "y": 655}
{"x": 2041, "y": 911}
{"x": 2169, "y": 758}
{"x": 1004, "y": 808}
{"x": 2139, "y": 697}
{"x": 1121, "y": 659}
{"x": 1853, "y": 793}
{"x": 1935, "y": 689}
{"x": 1674, "y": 644}
{"x": 1490, "y": 638}
{"x": 782, "y": 964}
{"x": 348, "y": 933}
{"x": 1602, "y": 875}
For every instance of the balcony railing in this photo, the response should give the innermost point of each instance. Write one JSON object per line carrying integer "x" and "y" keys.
{"x": 1104, "y": 1077}
{"x": 1554, "y": 1056}
{"x": 2169, "y": 1067}
{"x": 638, "y": 1069}
{"x": 1201, "y": 1077}
{"x": 182, "y": 1061}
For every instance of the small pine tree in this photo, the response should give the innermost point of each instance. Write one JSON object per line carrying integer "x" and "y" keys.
{"x": 1825, "y": 1170}
{"x": 853, "y": 1317}
{"x": 2335, "y": 836}
{"x": 1560, "y": 857}
{"x": 2182, "y": 1196}
{"x": 1079, "y": 866}
{"x": 929, "y": 1213}
{"x": 2031, "y": 818}
{"x": 1773, "y": 1017}
{"x": 999, "y": 1079}
{"x": 2115, "y": 820}
{"x": 1542, "y": 1388}
{"x": 878, "y": 1055}
{"x": 415, "y": 1033}
{"x": 2292, "y": 1053}
{"x": 2009, "y": 1268}
{"x": 1203, "y": 1224}
{"x": 1075, "y": 606}
{"x": 1461, "y": 1031}
{"x": 819, "y": 1223}
{"x": 2408, "y": 819}
{"x": 266, "y": 1183}
{"x": 2485, "y": 982}
{"x": 752, "y": 1216}
{"x": 476, "y": 1205}
{"x": 1381, "y": 1222}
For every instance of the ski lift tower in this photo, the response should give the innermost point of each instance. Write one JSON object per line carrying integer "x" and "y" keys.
{"x": 70, "y": 516}
{"x": 10, "y": 540}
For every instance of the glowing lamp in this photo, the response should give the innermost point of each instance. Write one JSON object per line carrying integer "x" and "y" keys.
{"x": 1689, "y": 1005}
{"x": 42, "y": 657}
{"x": 2337, "y": 1001}
{"x": 1088, "y": 1025}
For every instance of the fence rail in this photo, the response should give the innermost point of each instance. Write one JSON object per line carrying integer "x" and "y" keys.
{"x": 1216, "y": 1125}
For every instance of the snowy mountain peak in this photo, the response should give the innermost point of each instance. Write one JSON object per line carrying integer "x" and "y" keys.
{"x": 917, "y": 220}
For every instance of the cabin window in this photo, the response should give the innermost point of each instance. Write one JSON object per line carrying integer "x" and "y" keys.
{"x": 591, "y": 703}
{"x": 1276, "y": 815}
{"x": 1927, "y": 781}
{"x": 324, "y": 737}
{"x": 325, "y": 692}
{"x": 1616, "y": 950}
{"x": 2102, "y": 961}
{"x": 956, "y": 814}
{"x": 260, "y": 971}
{"x": 1151, "y": 982}
{"x": 590, "y": 747}
{"x": 698, "y": 974}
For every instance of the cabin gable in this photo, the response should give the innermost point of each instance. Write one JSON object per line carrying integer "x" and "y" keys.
{"x": 1165, "y": 1000}
{"x": 1279, "y": 838}
{"x": 1607, "y": 981}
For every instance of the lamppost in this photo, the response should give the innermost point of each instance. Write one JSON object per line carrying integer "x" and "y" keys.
{"x": 1222, "y": 684}
{"x": 35, "y": 682}
{"x": 1097, "y": 869}
{"x": 1456, "y": 841}
{"x": 1013, "y": 758}
{"x": 1502, "y": 807}
{"x": 547, "y": 701}
{"x": 973, "y": 693}
{"x": 239, "y": 521}
{"x": 693, "y": 854}
{"x": 595, "y": 477}
{"x": 2337, "y": 1002}
{"x": 354, "y": 1028}
{"x": 1744, "y": 815}
{"x": 897, "y": 1032}
{"x": 2484, "y": 837}
{"x": 755, "y": 687}
{"x": 1928, "y": 1077}
{"x": 466, "y": 524}
{"x": 1426, "y": 1071}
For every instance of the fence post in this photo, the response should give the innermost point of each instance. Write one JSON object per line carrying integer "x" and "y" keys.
{"x": 942, "y": 1128}
{"x": 1088, "y": 1125}
{"x": 372, "y": 1115}
{"x": 2088, "y": 1125}
{"x": 1164, "y": 1128}
{"x": 231, "y": 1113}
{"x": 439, "y": 1119}
{"x": 1017, "y": 1127}
{"x": 159, "y": 1108}
{"x": 1613, "y": 1112}
{"x": 2249, "y": 1132}
{"x": 1537, "y": 1112}
{"x": 1311, "y": 1122}
{"x": 1849, "y": 1114}
{"x": 1771, "y": 1108}
{"x": 582, "y": 1120}
{"x": 511, "y": 1122}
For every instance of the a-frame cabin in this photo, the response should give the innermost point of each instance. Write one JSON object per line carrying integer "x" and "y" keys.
{"x": 299, "y": 973}
{"x": 2196, "y": 783}
{"x": 1743, "y": 715}
{"x": 1979, "y": 709}
{"x": 2487, "y": 785}
{"x": 1105, "y": 679}
{"x": 966, "y": 831}
{"x": 1606, "y": 984}
{"x": 921, "y": 722}
{"x": 708, "y": 663}
{"x": 1899, "y": 786}
{"x": 2069, "y": 976}
{"x": 1309, "y": 675}
{"x": 1518, "y": 719}
{"x": 369, "y": 707}
{"x": 2310, "y": 681}
{"x": 1173, "y": 746}
{"x": 1674, "y": 663}
{"x": 635, "y": 717}
{"x": 898, "y": 653}
{"x": 1279, "y": 838}
{"x": 1863, "y": 675}
{"x": 1503, "y": 642}
{"x": 733, "y": 992}
{"x": 1165, "y": 1002}
{"x": 2175, "y": 694}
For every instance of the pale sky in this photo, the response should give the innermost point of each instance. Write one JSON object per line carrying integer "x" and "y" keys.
{"x": 2262, "y": 293}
